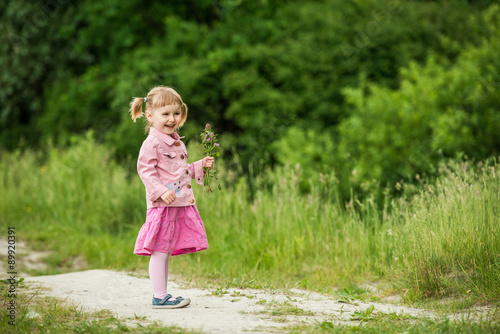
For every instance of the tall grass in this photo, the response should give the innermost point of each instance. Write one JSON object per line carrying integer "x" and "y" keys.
{"x": 450, "y": 238}
{"x": 79, "y": 202}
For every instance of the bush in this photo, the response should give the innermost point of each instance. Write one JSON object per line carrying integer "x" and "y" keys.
{"x": 441, "y": 110}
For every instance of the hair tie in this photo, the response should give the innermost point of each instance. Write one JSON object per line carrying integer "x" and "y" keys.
{"x": 145, "y": 99}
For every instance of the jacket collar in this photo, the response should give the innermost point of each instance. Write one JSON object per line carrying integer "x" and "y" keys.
{"x": 168, "y": 139}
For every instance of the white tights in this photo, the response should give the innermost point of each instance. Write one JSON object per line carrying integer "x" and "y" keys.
{"x": 158, "y": 272}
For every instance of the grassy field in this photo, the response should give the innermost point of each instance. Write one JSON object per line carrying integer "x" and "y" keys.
{"x": 443, "y": 242}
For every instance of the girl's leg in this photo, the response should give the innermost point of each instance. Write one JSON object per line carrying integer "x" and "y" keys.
{"x": 167, "y": 265}
{"x": 158, "y": 272}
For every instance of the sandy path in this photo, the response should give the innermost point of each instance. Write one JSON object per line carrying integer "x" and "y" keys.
{"x": 237, "y": 311}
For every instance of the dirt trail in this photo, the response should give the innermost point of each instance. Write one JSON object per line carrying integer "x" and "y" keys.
{"x": 234, "y": 311}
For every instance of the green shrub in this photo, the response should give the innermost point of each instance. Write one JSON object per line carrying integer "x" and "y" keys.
{"x": 440, "y": 110}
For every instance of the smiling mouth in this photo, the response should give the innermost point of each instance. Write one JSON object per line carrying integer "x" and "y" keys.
{"x": 170, "y": 126}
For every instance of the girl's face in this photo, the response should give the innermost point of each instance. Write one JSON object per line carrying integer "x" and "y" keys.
{"x": 165, "y": 119}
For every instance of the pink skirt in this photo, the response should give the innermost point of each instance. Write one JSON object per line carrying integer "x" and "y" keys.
{"x": 178, "y": 230}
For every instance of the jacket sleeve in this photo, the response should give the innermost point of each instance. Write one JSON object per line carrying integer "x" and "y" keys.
{"x": 146, "y": 167}
{"x": 197, "y": 171}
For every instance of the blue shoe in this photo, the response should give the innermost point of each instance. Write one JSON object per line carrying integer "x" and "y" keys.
{"x": 165, "y": 303}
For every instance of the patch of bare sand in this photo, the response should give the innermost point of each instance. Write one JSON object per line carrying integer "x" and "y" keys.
{"x": 235, "y": 311}
{"x": 28, "y": 260}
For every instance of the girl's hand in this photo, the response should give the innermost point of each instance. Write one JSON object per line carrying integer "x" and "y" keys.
{"x": 168, "y": 197}
{"x": 208, "y": 162}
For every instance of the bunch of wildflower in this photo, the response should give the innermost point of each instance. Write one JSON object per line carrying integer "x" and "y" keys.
{"x": 211, "y": 149}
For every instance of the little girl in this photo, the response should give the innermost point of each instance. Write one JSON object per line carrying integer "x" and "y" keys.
{"x": 173, "y": 225}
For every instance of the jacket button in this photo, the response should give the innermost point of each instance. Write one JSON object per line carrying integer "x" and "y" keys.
{"x": 189, "y": 186}
{"x": 182, "y": 157}
{"x": 187, "y": 172}
{"x": 192, "y": 200}
{"x": 177, "y": 144}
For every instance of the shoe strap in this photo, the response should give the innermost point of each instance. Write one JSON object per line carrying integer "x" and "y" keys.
{"x": 164, "y": 300}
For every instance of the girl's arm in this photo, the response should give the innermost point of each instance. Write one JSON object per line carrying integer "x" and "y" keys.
{"x": 208, "y": 162}
{"x": 146, "y": 167}
{"x": 197, "y": 171}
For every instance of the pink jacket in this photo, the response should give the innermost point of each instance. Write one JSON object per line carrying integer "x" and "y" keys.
{"x": 162, "y": 165}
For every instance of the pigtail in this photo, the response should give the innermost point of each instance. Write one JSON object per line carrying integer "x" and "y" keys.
{"x": 136, "y": 107}
{"x": 184, "y": 114}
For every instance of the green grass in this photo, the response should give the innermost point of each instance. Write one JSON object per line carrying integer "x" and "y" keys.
{"x": 451, "y": 238}
{"x": 441, "y": 242}
{"x": 285, "y": 308}
{"x": 391, "y": 324}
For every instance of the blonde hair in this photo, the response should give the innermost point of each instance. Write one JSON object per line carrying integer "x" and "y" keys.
{"x": 158, "y": 97}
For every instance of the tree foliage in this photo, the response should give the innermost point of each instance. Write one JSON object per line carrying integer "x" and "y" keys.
{"x": 347, "y": 85}
{"x": 442, "y": 109}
